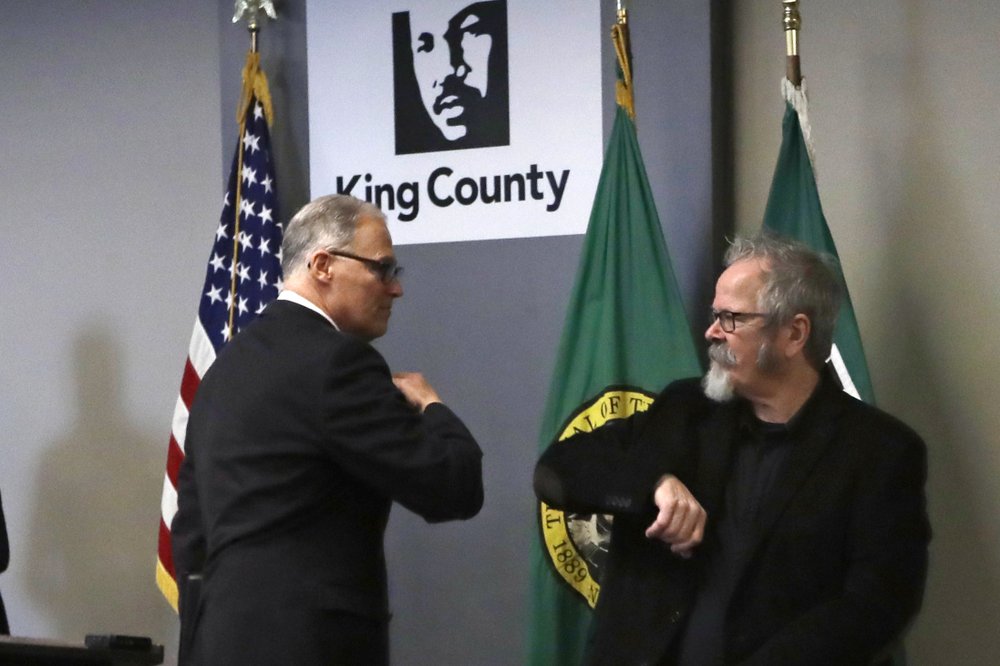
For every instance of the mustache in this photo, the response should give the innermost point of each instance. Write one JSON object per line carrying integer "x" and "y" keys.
{"x": 720, "y": 352}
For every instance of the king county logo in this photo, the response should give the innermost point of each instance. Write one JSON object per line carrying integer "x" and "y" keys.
{"x": 577, "y": 544}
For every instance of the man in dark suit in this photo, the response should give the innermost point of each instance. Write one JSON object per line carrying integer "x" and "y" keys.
{"x": 298, "y": 442}
{"x": 764, "y": 517}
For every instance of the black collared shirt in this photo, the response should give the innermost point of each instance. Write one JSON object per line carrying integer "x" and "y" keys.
{"x": 760, "y": 451}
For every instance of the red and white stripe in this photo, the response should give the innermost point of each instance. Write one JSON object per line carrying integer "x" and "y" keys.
{"x": 201, "y": 355}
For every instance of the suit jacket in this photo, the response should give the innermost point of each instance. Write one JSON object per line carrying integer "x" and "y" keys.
{"x": 297, "y": 444}
{"x": 840, "y": 558}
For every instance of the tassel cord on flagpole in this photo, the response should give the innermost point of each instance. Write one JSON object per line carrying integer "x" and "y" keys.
{"x": 623, "y": 49}
{"x": 246, "y": 95}
{"x": 236, "y": 233}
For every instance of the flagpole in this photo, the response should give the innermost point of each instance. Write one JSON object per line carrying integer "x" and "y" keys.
{"x": 250, "y": 10}
{"x": 792, "y": 22}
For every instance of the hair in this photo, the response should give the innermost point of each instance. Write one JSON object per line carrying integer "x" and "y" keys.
{"x": 327, "y": 222}
{"x": 797, "y": 280}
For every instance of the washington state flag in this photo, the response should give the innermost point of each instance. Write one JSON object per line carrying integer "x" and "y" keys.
{"x": 793, "y": 209}
{"x": 625, "y": 337}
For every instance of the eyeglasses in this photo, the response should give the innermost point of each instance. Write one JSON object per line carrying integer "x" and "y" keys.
{"x": 727, "y": 319}
{"x": 386, "y": 270}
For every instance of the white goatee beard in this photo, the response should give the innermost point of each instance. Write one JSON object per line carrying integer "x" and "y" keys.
{"x": 717, "y": 384}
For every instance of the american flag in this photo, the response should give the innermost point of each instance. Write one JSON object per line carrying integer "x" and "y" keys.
{"x": 243, "y": 276}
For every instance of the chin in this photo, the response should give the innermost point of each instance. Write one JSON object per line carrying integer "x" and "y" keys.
{"x": 717, "y": 384}
{"x": 454, "y": 132}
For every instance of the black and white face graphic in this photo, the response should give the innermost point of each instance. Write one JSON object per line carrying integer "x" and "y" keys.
{"x": 453, "y": 60}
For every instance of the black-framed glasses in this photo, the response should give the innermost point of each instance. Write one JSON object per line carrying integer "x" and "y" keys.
{"x": 727, "y": 318}
{"x": 386, "y": 270}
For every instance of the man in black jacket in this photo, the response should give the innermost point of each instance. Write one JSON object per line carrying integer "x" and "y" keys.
{"x": 299, "y": 441}
{"x": 764, "y": 517}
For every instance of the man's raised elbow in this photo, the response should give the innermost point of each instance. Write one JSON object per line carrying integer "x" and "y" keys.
{"x": 549, "y": 487}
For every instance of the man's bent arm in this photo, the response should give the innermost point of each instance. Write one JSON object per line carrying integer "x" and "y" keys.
{"x": 427, "y": 462}
{"x": 617, "y": 467}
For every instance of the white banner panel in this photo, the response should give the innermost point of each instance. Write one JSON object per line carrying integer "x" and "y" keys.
{"x": 462, "y": 121}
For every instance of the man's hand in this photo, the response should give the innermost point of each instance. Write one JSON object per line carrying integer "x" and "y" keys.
{"x": 681, "y": 521}
{"x": 416, "y": 389}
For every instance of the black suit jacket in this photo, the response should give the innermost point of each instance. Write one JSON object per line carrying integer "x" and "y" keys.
{"x": 840, "y": 559}
{"x": 297, "y": 444}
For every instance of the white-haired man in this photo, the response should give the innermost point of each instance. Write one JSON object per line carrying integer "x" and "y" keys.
{"x": 761, "y": 515}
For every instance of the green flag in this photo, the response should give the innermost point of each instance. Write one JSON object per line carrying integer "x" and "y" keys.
{"x": 793, "y": 209}
{"x": 626, "y": 335}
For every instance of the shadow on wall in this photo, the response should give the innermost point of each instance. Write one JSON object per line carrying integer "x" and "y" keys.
{"x": 93, "y": 534}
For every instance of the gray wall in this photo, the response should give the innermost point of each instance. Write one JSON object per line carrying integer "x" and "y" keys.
{"x": 111, "y": 168}
{"x": 110, "y": 186}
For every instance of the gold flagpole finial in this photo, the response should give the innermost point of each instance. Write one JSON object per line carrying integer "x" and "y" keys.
{"x": 792, "y": 22}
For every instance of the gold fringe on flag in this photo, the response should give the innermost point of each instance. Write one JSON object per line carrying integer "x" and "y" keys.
{"x": 254, "y": 85}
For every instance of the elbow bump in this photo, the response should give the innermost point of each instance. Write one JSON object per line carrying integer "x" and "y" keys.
{"x": 549, "y": 487}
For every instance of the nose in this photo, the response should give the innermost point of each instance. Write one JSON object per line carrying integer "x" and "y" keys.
{"x": 714, "y": 331}
{"x": 395, "y": 288}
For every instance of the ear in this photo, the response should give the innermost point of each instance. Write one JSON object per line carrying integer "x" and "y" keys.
{"x": 797, "y": 334}
{"x": 320, "y": 266}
